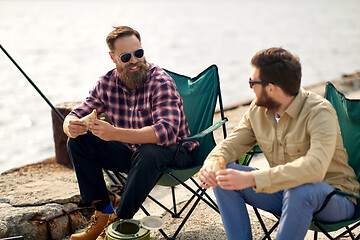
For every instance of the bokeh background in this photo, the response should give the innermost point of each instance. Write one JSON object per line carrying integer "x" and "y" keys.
{"x": 61, "y": 46}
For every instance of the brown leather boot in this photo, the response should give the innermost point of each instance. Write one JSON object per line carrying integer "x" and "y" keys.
{"x": 96, "y": 226}
{"x": 112, "y": 218}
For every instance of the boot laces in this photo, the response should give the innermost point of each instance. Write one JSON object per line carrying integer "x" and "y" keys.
{"x": 110, "y": 221}
{"x": 92, "y": 222}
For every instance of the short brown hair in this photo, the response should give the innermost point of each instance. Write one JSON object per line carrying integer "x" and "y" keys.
{"x": 119, "y": 32}
{"x": 279, "y": 67}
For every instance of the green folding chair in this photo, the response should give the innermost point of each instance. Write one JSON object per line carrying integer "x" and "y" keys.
{"x": 348, "y": 112}
{"x": 200, "y": 96}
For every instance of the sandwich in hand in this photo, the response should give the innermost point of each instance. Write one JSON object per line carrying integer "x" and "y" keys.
{"x": 218, "y": 164}
{"x": 92, "y": 115}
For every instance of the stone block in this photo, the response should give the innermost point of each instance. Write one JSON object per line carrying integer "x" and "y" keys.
{"x": 60, "y": 137}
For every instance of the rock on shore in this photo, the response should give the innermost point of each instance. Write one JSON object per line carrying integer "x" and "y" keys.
{"x": 40, "y": 201}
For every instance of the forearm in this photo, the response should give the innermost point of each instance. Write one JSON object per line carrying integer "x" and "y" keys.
{"x": 135, "y": 136}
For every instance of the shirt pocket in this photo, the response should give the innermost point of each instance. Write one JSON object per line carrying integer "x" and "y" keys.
{"x": 294, "y": 151}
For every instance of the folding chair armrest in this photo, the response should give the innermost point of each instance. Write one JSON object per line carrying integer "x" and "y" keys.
{"x": 205, "y": 132}
{"x": 346, "y": 194}
{"x": 247, "y": 157}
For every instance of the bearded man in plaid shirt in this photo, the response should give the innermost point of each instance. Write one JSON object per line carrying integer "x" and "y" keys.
{"x": 146, "y": 118}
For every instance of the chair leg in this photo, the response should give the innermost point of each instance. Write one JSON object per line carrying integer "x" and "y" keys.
{"x": 315, "y": 235}
{"x": 350, "y": 233}
{"x": 273, "y": 228}
{"x": 323, "y": 231}
{"x": 187, "y": 204}
{"x": 205, "y": 194}
{"x": 267, "y": 234}
{"x": 188, "y": 215}
{"x": 160, "y": 204}
{"x": 349, "y": 229}
{"x": 194, "y": 192}
{"x": 175, "y": 214}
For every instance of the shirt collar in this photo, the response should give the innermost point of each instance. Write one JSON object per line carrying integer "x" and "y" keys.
{"x": 295, "y": 106}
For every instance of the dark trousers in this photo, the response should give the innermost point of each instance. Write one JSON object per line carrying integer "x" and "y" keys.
{"x": 90, "y": 155}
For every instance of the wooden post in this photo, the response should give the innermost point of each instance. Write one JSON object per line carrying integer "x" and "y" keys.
{"x": 60, "y": 137}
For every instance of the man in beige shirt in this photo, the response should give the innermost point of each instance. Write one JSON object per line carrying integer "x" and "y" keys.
{"x": 299, "y": 134}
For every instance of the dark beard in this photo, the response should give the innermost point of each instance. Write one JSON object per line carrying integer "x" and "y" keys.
{"x": 265, "y": 101}
{"x": 136, "y": 79}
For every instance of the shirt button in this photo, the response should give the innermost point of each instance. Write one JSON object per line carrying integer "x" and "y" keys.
{"x": 280, "y": 144}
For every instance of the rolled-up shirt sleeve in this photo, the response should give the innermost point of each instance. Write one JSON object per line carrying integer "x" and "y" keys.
{"x": 167, "y": 114}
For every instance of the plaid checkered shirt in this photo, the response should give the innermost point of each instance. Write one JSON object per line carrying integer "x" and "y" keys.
{"x": 157, "y": 104}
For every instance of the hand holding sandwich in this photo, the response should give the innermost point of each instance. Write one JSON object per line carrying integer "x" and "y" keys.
{"x": 102, "y": 129}
{"x": 214, "y": 174}
{"x": 207, "y": 174}
{"x": 74, "y": 127}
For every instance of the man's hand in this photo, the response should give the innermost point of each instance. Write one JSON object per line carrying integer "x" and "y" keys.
{"x": 102, "y": 129}
{"x": 232, "y": 179}
{"x": 206, "y": 176}
{"x": 74, "y": 127}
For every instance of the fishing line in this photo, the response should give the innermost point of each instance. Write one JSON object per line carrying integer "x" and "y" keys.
{"x": 33, "y": 84}
{"x": 48, "y": 102}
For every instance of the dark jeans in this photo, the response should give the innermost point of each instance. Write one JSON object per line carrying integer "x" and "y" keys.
{"x": 90, "y": 155}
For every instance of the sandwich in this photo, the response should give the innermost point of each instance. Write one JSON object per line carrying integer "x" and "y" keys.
{"x": 218, "y": 164}
{"x": 92, "y": 115}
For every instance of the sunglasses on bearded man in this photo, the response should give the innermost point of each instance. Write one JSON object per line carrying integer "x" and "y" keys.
{"x": 125, "y": 57}
{"x": 252, "y": 83}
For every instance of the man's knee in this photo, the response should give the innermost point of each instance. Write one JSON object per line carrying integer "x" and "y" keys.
{"x": 146, "y": 154}
{"x": 147, "y": 150}
{"x": 311, "y": 192}
{"x": 83, "y": 144}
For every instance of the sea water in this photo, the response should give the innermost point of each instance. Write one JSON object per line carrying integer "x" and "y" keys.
{"x": 61, "y": 46}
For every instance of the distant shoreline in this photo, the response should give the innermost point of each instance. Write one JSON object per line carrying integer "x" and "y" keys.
{"x": 314, "y": 86}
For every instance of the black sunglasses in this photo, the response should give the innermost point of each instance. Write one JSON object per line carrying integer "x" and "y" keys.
{"x": 252, "y": 83}
{"x": 125, "y": 57}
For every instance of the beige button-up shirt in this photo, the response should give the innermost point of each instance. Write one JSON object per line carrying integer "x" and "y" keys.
{"x": 304, "y": 146}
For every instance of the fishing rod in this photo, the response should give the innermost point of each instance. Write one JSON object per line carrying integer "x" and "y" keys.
{"x": 48, "y": 102}
{"x": 55, "y": 110}
{"x": 33, "y": 84}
